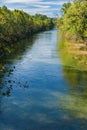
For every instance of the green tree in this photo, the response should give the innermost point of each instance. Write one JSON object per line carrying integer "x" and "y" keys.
{"x": 74, "y": 19}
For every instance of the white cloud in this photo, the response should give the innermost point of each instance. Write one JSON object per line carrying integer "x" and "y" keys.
{"x": 41, "y": 6}
{"x": 22, "y": 1}
{"x": 35, "y": 2}
{"x": 35, "y": 6}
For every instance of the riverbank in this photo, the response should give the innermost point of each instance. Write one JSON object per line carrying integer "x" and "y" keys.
{"x": 72, "y": 46}
{"x": 78, "y": 49}
{"x": 73, "y": 54}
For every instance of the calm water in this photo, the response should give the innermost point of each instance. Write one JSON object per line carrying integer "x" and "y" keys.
{"x": 39, "y": 93}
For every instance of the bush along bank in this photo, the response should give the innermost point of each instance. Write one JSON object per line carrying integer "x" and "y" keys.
{"x": 73, "y": 21}
{"x": 16, "y": 25}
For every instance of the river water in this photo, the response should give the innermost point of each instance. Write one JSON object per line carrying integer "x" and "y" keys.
{"x": 39, "y": 92}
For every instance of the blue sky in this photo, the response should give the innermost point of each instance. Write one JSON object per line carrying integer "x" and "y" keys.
{"x": 47, "y": 7}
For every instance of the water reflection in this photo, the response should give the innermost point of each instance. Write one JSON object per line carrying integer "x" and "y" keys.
{"x": 7, "y": 66}
{"x": 40, "y": 92}
{"x": 75, "y": 72}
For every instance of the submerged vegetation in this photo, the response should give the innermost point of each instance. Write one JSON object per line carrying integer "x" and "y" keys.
{"x": 74, "y": 67}
{"x": 73, "y": 22}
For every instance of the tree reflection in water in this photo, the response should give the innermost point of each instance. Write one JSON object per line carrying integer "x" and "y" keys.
{"x": 74, "y": 68}
{"x": 14, "y": 51}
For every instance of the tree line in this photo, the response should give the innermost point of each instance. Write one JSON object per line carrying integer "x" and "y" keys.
{"x": 15, "y": 25}
{"x": 73, "y": 21}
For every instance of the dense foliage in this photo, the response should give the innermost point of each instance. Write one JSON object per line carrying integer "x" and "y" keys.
{"x": 73, "y": 21}
{"x": 15, "y": 25}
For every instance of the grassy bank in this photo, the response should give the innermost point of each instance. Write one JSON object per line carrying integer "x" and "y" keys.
{"x": 73, "y": 54}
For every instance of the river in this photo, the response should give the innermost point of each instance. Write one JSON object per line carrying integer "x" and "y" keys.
{"x": 39, "y": 92}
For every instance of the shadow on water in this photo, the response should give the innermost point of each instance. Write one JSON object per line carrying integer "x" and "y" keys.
{"x": 13, "y": 52}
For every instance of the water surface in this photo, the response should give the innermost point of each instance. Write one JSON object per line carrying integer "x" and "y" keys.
{"x": 39, "y": 92}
